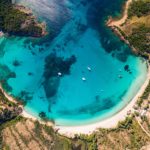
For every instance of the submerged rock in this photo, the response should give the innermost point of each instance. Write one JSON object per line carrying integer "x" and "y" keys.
{"x": 16, "y": 63}
{"x": 126, "y": 68}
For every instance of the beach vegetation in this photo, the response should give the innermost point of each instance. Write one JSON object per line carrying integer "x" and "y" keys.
{"x": 139, "y": 38}
{"x": 126, "y": 123}
{"x": 8, "y": 109}
{"x": 139, "y": 102}
{"x": 89, "y": 139}
{"x": 146, "y": 92}
{"x": 46, "y": 137}
{"x": 139, "y": 8}
{"x": 131, "y": 132}
{"x": 136, "y": 29}
{"x": 136, "y": 113}
{"x": 7, "y": 147}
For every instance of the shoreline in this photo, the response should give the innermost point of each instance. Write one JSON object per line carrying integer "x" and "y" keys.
{"x": 115, "y": 25}
{"x": 110, "y": 122}
{"x": 29, "y": 12}
{"x": 118, "y": 22}
{"x": 24, "y": 113}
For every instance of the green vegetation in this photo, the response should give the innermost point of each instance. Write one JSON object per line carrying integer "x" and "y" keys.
{"x": 139, "y": 8}
{"x": 12, "y": 21}
{"x": 12, "y": 122}
{"x": 136, "y": 29}
{"x": 147, "y": 122}
{"x": 5, "y": 101}
{"x": 8, "y": 110}
{"x": 128, "y": 135}
{"x": 146, "y": 92}
{"x": 125, "y": 124}
{"x": 139, "y": 38}
{"x": 32, "y": 30}
{"x": 45, "y": 136}
{"x": 90, "y": 140}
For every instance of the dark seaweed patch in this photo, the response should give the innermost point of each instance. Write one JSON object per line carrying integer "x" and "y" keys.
{"x": 26, "y": 96}
{"x": 51, "y": 86}
{"x": 97, "y": 106}
{"x": 53, "y": 66}
{"x": 16, "y": 63}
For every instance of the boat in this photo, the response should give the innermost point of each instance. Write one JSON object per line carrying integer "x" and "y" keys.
{"x": 89, "y": 68}
{"x": 59, "y": 74}
{"x": 83, "y": 79}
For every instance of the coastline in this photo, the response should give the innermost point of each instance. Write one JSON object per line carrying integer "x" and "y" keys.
{"x": 115, "y": 25}
{"x": 106, "y": 123}
{"x": 24, "y": 113}
{"x": 110, "y": 122}
{"x": 115, "y": 22}
{"x": 29, "y": 12}
{"x": 28, "y": 25}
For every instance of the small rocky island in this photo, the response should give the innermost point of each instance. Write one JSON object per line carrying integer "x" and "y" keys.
{"x": 19, "y": 21}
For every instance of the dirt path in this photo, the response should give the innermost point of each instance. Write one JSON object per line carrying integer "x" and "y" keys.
{"x": 119, "y": 22}
{"x": 143, "y": 128}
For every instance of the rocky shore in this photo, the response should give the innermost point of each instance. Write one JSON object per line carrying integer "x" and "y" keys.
{"x": 18, "y": 20}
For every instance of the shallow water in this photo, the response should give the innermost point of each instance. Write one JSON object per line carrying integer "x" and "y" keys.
{"x": 78, "y": 39}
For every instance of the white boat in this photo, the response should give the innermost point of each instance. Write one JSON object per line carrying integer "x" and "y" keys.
{"x": 89, "y": 68}
{"x": 83, "y": 79}
{"x": 59, "y": 74}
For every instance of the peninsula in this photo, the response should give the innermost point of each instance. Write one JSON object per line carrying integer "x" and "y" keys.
{"x": 19, "y": 21}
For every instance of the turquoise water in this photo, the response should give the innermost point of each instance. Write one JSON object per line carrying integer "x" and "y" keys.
{"x": 78, "y": 39}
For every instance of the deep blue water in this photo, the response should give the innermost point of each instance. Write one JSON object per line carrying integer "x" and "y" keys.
{"x": 78, "y": 39}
